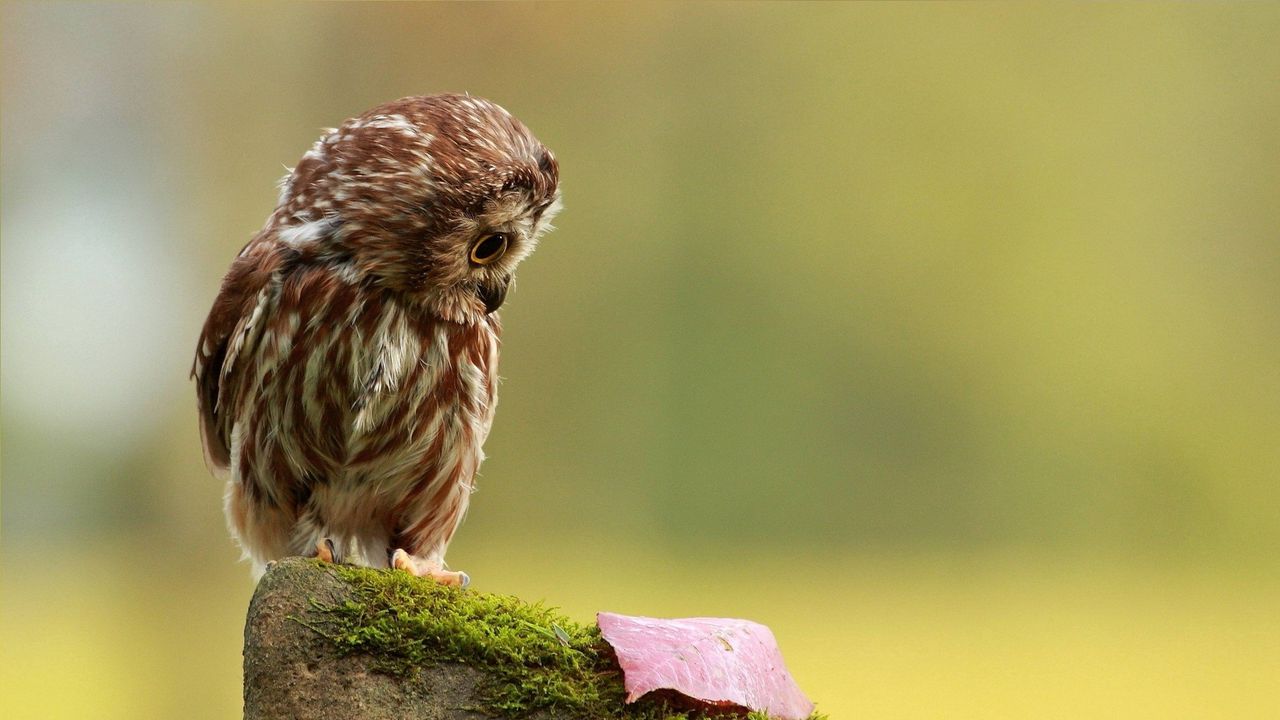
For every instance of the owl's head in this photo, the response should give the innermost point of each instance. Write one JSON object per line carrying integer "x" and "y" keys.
{"x": 437, "y": 197}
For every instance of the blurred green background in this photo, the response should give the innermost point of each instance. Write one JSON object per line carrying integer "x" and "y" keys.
{"x": 940, "y": 338}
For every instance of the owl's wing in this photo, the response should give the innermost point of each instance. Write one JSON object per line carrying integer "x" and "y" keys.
{"x": 230, "y": 333}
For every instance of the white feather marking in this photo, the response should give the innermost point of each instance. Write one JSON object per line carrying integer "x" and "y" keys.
{"x": 298, "y": 236}
{"x": 393, "y": 122}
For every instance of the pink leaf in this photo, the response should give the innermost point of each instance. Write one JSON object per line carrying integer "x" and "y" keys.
{"x": 714, "y": 660}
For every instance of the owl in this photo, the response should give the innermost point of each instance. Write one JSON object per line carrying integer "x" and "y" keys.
{"x": 347, "y": 374}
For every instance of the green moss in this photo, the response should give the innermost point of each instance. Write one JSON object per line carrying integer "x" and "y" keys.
{"x": 533, "y": 658}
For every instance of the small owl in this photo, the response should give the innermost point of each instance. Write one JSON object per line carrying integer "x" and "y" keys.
{"x": 347, "y": 373}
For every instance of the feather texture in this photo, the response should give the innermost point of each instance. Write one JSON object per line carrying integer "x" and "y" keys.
{"x": 347, "y": 373}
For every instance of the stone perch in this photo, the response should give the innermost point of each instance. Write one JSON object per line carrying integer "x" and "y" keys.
{"x": 293, "y": 671}
{"x": 328, "y": 642}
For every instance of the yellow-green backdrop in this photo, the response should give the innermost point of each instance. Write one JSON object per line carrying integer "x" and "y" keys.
{"x": 943, "y": 339}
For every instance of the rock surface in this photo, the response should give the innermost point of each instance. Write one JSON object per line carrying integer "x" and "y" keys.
{"x": 293, "y": 672}
{"x": 327, "y": 642}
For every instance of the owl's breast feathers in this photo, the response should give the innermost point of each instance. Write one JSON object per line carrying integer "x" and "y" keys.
{"x": 309, "y": 378}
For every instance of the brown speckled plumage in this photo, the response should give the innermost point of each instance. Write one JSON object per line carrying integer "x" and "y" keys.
{"x": 347, "y": 373}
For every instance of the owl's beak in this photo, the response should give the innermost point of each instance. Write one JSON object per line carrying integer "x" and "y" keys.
{"x": 492, "y": 294}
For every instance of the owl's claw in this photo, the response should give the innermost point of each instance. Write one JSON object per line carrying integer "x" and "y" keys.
{"x": 401, "y": 560}
{"x": 327, "y": 551}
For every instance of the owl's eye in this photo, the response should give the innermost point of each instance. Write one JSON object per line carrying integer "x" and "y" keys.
{"x": 489, "y": 249}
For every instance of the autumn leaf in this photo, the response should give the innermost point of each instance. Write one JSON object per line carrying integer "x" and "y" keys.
{"x": 711, "y": 660}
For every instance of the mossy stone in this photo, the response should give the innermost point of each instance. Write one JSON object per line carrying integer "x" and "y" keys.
{"x": 326, "y": 642}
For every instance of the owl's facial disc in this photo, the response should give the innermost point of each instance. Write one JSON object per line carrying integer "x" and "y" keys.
{"x": 493, "y": 293}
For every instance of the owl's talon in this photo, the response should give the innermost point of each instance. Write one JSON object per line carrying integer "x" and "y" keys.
{"x": 327, "y": 551}
{"x": 401, "y": 560}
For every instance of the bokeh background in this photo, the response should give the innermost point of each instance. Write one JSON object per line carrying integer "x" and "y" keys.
{"x": 943, "y": 339}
